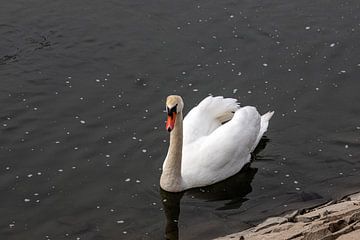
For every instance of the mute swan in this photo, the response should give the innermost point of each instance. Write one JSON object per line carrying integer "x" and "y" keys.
{"x": 203, "y": 148}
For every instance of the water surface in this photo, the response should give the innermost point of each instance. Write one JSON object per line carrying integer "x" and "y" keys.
{"x": 82, "y": 93}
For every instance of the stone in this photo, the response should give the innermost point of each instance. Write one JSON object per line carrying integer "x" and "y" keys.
{"x": 334, "y": 220}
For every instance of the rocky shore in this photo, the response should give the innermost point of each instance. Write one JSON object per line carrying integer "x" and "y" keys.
{"x": 334, "y": 220}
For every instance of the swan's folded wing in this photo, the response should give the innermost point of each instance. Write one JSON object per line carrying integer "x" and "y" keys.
{"x": 225, "y": 151}
{"x": 208, "y": 116}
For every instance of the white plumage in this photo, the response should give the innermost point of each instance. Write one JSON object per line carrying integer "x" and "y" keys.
{"x": 218, "y": 138}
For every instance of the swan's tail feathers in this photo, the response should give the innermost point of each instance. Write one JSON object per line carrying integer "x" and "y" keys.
{"x": 220, "y": 108}
{"x": 263, "y": 127}
{"x": 265, "y": 121}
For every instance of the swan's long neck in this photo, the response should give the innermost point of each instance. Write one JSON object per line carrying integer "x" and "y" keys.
{"x": 171, "y": 176}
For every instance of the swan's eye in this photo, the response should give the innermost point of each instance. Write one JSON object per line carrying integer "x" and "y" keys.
{"x": 172, "y": 110}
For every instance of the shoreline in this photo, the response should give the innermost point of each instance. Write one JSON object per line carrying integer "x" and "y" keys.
{"x": 333, "y": 220}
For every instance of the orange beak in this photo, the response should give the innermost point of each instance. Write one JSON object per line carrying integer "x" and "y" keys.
{"x": 170, "y": 122}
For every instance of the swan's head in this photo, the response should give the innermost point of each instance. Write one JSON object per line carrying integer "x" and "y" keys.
{"x": 174, "y": 105}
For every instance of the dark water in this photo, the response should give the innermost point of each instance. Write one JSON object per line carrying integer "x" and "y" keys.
{"x": 82, "y": 89}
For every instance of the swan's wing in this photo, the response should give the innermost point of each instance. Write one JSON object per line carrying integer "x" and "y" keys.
{"x": 208, "y": 116}
{"x": 224, "y": 152}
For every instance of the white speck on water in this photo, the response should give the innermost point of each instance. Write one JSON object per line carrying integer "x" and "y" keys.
{"x": 26, "y": 200}
{"x": 249, "y": 92}
{"x": 120, "y": 221}
{"x": 154, "y": 203}
{"x": 29, "y": 175}
{"x": 231, "y": 16}
{"x": 296, "y": 182}
{"x": 4, "y": 124}
{"x": 346, "y": 146}
{"x": 297, "y": 189}
{"x": 235, "y": 90}
{"x": 239, "y": 73}
{"x": 97, "y": 207}
{"x": 332, "y": 45}
{"x": 144, "y": 150}
{"x": 307, "y": 28}
{"x": 39, "y": 173}
{"x": 11, "y": 225}
{"x": 195, "y": 90}
{"x": 124, "y": 232}
{"x": 265, "y": 64}
{"x": 340, "y": 173}
{"x": 82, "y": 121}
{"x": 60, "y": 170}
{"x": 107, "y": 155}
{"x": 287, "y": 175}
{"x": 183, "y": 73}
{"x": 317, "y": 89}
{"x": 97, "y": 80}
{"x": 138, "y": 181}
{"x": 7, "y": 168}
{"x": 127, "y": 180}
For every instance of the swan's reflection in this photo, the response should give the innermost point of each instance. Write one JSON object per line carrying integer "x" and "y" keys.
{"x": 233, "y": 189}
{"x": 171, "y": 202}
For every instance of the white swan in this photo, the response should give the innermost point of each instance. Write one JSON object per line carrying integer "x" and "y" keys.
{"x": 204, "y": 150}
